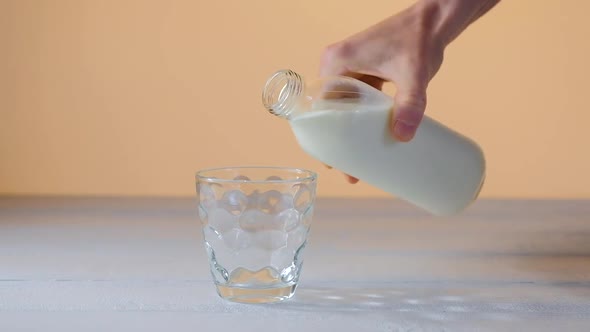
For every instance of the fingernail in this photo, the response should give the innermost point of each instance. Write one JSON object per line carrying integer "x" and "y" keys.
{"x": 404, "y": 130}
{"x": 351, "y": 179}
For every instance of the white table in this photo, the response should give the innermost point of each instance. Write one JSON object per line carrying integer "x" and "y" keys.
{"x": 98, "y": 264}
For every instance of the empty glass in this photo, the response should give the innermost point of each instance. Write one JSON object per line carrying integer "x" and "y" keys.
{"x": 255, "y": 225}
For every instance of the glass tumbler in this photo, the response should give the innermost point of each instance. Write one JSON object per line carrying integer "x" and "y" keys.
{"x": 255, "y": 225}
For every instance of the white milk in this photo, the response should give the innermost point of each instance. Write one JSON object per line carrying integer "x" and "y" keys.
{"x": 439, "y": 170}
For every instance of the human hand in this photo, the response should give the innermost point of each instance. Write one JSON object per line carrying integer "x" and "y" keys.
{"x": 407, "y": 50}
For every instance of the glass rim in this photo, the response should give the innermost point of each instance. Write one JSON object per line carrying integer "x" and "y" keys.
{"x": 311, "y": 175}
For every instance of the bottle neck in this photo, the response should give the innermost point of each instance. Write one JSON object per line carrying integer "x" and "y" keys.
{"x": 282, "y": 92}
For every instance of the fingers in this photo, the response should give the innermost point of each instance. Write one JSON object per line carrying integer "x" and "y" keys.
{"x": 349, "y": 178}
{"x": 340, "y": 59}
{"x": 408, "y": 111}
{"x": 332, "y": 62}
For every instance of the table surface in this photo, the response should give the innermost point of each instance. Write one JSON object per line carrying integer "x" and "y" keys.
{"x": 97, "y": 264}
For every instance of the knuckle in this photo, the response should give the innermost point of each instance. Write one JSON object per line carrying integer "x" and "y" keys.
{"x": 338, "y": 51}
{"x": 417, "y": 99}
{"x": 413, "y": 102}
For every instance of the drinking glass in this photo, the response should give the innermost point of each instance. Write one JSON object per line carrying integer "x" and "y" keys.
{"x": 255, "y": 225}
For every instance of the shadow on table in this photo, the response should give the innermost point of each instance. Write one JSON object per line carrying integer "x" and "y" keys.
{"x": 349, "y": 299}
{"x": 432, "y": 304}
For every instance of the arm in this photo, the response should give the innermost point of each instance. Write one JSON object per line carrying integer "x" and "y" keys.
{"x": 457, "y": 15}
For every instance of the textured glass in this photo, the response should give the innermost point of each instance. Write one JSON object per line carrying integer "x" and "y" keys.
{"x": 255, "y": 225}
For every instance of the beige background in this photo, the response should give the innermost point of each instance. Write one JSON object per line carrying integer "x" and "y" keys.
{"x": 131, "y": 97}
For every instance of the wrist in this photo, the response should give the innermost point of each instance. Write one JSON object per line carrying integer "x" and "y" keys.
{"x": 448, "y": 18}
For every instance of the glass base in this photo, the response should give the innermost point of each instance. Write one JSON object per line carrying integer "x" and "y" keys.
{"x": 255, "y": 295}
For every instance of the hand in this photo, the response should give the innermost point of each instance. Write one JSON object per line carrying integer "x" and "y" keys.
{"x": 407, "y": 50}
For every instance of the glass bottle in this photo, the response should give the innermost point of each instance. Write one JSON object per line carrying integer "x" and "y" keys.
{"x": 344, "y": 122}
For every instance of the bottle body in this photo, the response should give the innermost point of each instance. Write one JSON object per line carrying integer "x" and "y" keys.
{"x": 439, "y": 170}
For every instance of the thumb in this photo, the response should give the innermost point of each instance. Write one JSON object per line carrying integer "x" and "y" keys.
{"x": 408, "y": 110}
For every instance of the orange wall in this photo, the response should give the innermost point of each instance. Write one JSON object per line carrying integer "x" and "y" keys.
{"x": 131, "y": 97}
